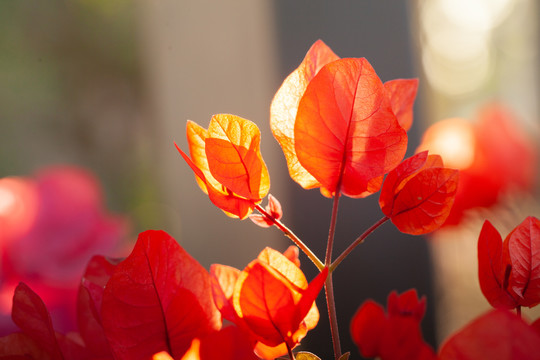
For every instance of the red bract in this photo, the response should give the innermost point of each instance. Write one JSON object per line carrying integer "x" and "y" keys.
{"x": 158, "y": 299}
{"x": 536, "y": 325}
{"x": 497, "y": 335}
{"x": 227, "y": 163}
{"x": 229, "y": 343}
{"x": 156, "y": 302}
{"x": 395, "y": 335}
{"x": 37, "y": 339}
{"x": 336, "y": 123}
{"x": 273, "y": 209}
{"x": 418, "y": 195}
{"x": 90, "y": 298}
{"x": 32, "y": 317}
{"x": 509, "y": 271}
{"x": 493, "y": 144}
{"x": 402, "y": 93}
{"x": 346, "y": 134}
{"x": 270, "y": 300}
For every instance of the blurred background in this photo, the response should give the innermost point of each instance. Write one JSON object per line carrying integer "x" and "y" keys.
{"x": 107, "y": 85}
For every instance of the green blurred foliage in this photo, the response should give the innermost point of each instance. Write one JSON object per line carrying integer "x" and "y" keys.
{"x": 72, "y": 92}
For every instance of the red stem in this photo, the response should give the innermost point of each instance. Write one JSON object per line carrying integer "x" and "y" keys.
{"x": 293, "y": 237}
{"x": 289, "y": 350}
{"x": 332, "y": 230}
{"x": 331, "y": 304}
{"x": 329, "y": 286}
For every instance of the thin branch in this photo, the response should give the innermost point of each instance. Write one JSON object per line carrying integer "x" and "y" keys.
{"x": 289, "y": 350}
{"x": 329, "y": 286}
{"x": 331, "y": 304}
{"x": 318, "y": 263}
{"x": 332, "y": 230}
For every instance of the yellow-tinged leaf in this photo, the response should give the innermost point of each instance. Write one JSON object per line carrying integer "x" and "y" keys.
{"x": 234, "y": 158}
{"x": 304, "y": 355}
{"x": 223, "y": 282}
{"x": 163, "y": 355}
{"x": 227, "y": 163}
{"x": 270, "y": 352}
{"x": 191, "y": 354}
{"x": 285, "y": 105}
{"x": 196, "y": 136}
{"x": 265, "y": 301}
{"x": 272, "y": 306}
{"x": 284, "y": 266}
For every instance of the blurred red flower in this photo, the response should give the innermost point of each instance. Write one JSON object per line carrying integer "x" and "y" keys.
{"x": 494, "y": 155}
{"x": 394, "y": 334}
{"x": 52, "y": 224}
{"x": 495, "y": 335}
{"x": 509, "y": 270}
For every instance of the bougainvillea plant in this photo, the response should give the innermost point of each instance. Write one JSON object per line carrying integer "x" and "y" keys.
{"x": 344, "y": 131}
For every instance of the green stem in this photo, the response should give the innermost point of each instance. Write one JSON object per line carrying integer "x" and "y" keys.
{"x": 318, "y": 263}
{"x": 329, "y": 286}
{"x": 355, "y": 243}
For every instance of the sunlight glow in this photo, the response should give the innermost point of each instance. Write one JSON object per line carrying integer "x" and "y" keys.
{"x": 477, "y": 14}
{"x": 457, "y": 47}
{"x": 454, "y": 140}
{"x": 8, "y": 201}
{"x": 18, "y": 206}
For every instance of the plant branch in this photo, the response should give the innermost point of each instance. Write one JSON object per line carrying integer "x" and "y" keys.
{"x": 356, "y": 242}
{"x": 329, "y": 286}
{"x": 318, "y": 263}
{"x": 332, "y": 230}
{"x": 289, "y": 350}
{"x": 331, "y": 304}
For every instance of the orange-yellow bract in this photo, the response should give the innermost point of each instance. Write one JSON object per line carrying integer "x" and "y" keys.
{"x": 162, "y": 355}
{"x": 270, "y": 299}
{"x": 341, "y": 129}
{"x": 228, "y": 164}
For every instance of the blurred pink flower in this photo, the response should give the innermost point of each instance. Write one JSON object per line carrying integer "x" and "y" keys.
{"x": 52, "y": 225}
